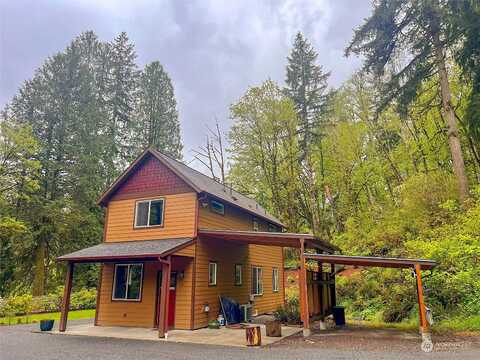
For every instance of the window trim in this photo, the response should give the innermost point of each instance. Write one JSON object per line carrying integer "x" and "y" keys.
{"x": 275, "y": 280}
{"x": 235, "y": 275}
{"x": 216, "y": 272}
{"x": 213, "y": 209}
{"x": 261, "y": 278}
{"x": 149, "y": 201}
{"x": 113, "y": 298}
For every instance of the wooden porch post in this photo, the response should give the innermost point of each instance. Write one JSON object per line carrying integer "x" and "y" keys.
{"x": 320, "y": 288}
{"x": 164, "y": 296}
{"x": 304, "y": 312}
{"x": 333, "y": 295}
{"x": 99, "y": 291}
{"x": 66, "y": 297}
{"x": 421, "y": 305}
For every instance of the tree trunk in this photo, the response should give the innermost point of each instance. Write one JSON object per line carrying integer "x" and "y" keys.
{"x": 453, "y": 136}
{"x": 39, "y": 274}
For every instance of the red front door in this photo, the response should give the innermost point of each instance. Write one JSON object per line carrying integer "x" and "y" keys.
{"x": 171, "y": 299}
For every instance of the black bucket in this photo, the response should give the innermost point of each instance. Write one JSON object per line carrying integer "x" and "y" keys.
{"x": 339, "y": 315}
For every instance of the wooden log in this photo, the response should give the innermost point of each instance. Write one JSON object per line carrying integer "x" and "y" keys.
{"x": 253, "y": 335}
{"x": 273, "y": 328}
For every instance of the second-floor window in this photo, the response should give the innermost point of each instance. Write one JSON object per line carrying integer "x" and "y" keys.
{"x": 217, "y": 207}
{"x": 149, "y": 213}
{"x": 255, "y": 224}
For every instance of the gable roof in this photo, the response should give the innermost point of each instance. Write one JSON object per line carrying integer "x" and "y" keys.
{"x": 199, "y": 182}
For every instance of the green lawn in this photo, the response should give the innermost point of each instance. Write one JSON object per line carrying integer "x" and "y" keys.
{"x": 469, "y": 324}
{"x": 26, "y": 319}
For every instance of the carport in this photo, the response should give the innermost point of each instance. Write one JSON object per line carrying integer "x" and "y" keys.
{"x": 417, "y": 265}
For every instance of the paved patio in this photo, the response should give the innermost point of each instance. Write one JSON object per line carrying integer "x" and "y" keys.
{"x": 223, "y": 336}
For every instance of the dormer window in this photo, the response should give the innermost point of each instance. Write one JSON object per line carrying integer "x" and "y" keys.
{"x": 217, "y": 207}
{"x": 149, "y": 213}
{"x": 273, "y": 228}
{"x": 255, "y": 224}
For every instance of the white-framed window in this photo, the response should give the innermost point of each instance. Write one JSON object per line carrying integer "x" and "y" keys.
{"x": 257, "y": 280}
{"x": 238, "y": 274}
{"x": 149, "y": 213}
{"x": 127, "y": 282}
{"x": 275, "y": 279}
{"x": 255, "y": 224}
{"x": 212, "y": 273}
{"x": 217, "y": 207}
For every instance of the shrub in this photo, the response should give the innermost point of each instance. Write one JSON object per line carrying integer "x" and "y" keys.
{"x": 83, "y": 299}
{"x": 16, "y": 305}
{"x": 290, "y": 312}
{"x": 27, "y": 304}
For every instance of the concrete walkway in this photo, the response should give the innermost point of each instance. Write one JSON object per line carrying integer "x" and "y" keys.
{"x": 223, "y": 336}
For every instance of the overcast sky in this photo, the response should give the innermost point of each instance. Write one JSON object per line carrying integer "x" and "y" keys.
{"x": 213, "y": 50}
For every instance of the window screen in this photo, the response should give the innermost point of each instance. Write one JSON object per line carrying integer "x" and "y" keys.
{"x": 142, "y": 213}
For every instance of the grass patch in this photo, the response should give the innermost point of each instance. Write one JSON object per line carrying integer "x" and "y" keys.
{"x": 457, "y": 324}
{"x": 33, "y": 318}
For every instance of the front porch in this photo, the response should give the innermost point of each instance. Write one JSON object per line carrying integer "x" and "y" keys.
{"x": 223, "y": 336}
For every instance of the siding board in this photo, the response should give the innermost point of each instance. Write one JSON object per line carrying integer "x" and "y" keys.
{"x": 179, "y": 219}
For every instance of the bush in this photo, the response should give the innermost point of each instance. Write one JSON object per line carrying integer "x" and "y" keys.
{"x": 27, "y": 304}
{"x": 83, "y": 299}
{"x": 290, "y": 312}
{"x": 16, "y": 305}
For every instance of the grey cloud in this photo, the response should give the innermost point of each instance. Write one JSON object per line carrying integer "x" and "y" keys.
{"x": 213, "y": 50}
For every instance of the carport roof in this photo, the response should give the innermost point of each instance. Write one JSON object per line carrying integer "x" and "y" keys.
{"x": 373, "y": 261}
{"x": 125, "y": 250}
{"x": 282, "y": 239}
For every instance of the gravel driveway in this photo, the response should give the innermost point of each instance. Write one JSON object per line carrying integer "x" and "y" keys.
{"x": 18, "y": 342}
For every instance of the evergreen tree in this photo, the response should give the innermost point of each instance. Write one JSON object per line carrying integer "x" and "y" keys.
{"x": 121, "y": 94}
{"x": 157, "y": 115}
{"x": 419, "y": 29}
{"x": 466, "y": 17}
{"x": 306, "y": 85}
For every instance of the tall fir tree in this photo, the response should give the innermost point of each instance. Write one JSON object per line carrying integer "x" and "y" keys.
{"x": 121, "y": 94}
{"x": 157, "y": 115}
{"x": 306, "y": 85}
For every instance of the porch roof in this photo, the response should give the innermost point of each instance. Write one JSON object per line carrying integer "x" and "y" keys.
{"x": 282, "y": 239}
{"x": 377, "y": 261}
{"x": 125, "y": 250}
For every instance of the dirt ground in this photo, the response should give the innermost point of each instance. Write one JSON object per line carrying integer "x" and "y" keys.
{"x": 356, "y": 338}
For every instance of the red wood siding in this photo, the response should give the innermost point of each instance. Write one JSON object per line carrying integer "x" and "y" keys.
{"x": 151, "y": 177}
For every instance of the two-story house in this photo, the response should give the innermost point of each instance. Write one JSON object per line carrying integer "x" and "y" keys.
{"x": 174, "y": 241}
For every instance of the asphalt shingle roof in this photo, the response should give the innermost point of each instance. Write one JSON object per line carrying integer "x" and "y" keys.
{"x": 221, "y": 191}
{"x": 127, "y": 249}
